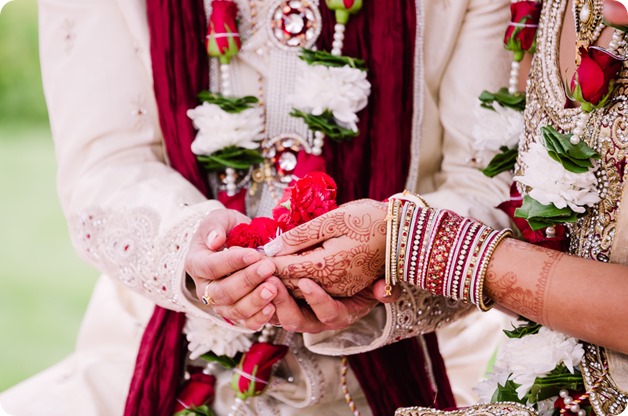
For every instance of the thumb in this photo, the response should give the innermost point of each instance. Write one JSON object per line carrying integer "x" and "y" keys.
{"x": 306, "y": 235}
{"x": 214, "y": 229}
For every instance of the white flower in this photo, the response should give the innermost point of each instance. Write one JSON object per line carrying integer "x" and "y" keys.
{"x": 537, "y": 355}
{"x": 218, "y": 129}
{"x": 487, "y": 387}
{"x": 496, "y": 129}
{"x": 552, "y": 183}
{"x": 342, "y": 90}
{"x": 204, "y": 336}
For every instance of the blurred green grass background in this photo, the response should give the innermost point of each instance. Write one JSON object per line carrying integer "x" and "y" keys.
{"x": 44, "y": 286}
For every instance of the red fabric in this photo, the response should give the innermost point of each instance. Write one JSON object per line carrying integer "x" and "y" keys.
{"x": 180, "y": 72}
{"x": 237, "y": 201}
{"x": 177, "y": 31}
{"x": 375, "y": 165}
{"x": 154, "y": 385}
{"x": 399, "y": 376}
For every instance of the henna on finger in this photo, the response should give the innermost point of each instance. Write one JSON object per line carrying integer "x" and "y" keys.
{"x": 343, "y": 273}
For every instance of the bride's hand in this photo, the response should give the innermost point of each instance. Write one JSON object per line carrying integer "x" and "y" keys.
{"x": 345, "y": 249}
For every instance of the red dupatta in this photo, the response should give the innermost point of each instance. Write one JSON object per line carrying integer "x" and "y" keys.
{"x": 383, "y": 34}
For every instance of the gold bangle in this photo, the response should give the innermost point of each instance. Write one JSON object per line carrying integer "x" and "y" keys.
{"x": 387, "y": 271}
{"x": 488, "y": 305}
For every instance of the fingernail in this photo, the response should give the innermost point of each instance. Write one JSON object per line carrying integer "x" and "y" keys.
{"x": 265, "y": 269}
{"x": 266, "y": 293}
{"x": 211, "y": 237}
{"x": 272, "y": 248}
{"x": 250, "y": 258}
{"x": 305, "y": 286}
{"x": 268, "y": 310}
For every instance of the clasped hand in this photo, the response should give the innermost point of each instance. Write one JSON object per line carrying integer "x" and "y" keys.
{"x": 340, "y": 254}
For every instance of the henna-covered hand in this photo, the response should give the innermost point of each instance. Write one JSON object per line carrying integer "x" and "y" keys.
{"x": 345, "y": 249}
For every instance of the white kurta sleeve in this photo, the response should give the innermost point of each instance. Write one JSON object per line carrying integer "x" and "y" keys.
{"x": 130, "y": 215}
{"x": 468, "y": 43}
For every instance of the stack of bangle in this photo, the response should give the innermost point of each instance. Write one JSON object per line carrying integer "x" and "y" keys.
{"x": 438, "y": 250}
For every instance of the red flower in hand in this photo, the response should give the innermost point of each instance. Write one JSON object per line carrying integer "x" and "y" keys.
{"x": 520, "y": 35}
{"x": 253, "y": 372}
{"x": 253, "y": 235}
{"x": 538, "y": 237}
{"x": 223, "y": 40}
{"x": 197, "y": 391}
{"x": 312, "y": 196}
{"x": 592, "y": 83}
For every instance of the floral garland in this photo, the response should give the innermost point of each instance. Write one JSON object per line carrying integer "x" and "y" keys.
{"x": 332, "y": 90}
{"x": 537, "y": 366}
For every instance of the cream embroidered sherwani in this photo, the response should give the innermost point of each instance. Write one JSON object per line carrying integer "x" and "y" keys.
{"x": 132, "y": 216}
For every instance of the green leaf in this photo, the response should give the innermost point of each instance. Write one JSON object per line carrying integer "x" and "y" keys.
{"x": 529, "y": 328}
{"x": 549, "y": 385}
{"x": 541, "y": 216}
{"x": 327, "y": 59}
{"x": 543, "y": 387}
{"x": 228, "y": 104}
{"x": 326, "y": 124}
{"x": 501, "y": 162}
{"x": 203, "y": 410}
{"x": 507, "y": 393}
{"x": 516, "y": 101}
{"x": 224, "y": 360}
{"x": 575, "y": 158}
{"x": 231, "y": 157}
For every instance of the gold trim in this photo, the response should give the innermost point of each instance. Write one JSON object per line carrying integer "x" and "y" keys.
{"x": 486, "y": 409}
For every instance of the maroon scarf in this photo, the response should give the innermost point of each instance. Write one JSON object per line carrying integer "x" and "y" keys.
{"x": 383, "y": 34}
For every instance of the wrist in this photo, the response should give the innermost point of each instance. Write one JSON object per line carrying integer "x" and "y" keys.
{"x": 439, "y": 251}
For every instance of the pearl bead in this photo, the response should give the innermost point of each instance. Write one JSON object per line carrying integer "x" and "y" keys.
{"x": 582, "y": 412}
{"x": 574, "y": 139}
{"x": 567, "y": 400}
{"x": 575, "y": 408}
{"x": 339, "y": 27}
{"x": 224, "y": 68}
{"x": 339, "y": 36}
{"x": 563, "y": 393}
{"x": 336, "y": 44}
{"x": 335, "y": 52}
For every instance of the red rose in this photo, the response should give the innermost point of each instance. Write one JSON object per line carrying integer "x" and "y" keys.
{"x": 591, "y": 85}
{"x": 223, "y": 40}
{"x": 520, "y": 35}
{"x": 312, "y": 196}
{"x": 281, "y": 213}
{"x": 538, "y": 237}
{"x": 253, "y": 235}
{"x": 196, "y": 391}
{"x": 253, "y": 372}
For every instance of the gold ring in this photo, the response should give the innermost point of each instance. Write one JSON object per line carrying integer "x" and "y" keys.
{"x": 207, "y": 300}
